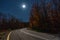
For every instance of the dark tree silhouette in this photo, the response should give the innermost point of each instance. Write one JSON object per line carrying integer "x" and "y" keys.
{"x": 35, "y": 18}
{"x": 46, "y": 17}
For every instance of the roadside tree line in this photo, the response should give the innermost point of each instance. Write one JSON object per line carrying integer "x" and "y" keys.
{"x": 11, "y": 23}
{"x": 45, "y": 17}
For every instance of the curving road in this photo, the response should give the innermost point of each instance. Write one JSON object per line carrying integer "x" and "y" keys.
{"x": 24, "y": 34}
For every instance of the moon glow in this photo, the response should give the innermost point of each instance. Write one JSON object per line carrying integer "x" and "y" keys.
{"x": 23, "y": 6}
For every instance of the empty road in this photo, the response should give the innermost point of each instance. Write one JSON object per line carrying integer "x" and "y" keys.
{"x": 24, "y": 34}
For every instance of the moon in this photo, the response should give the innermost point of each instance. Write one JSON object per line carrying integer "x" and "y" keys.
{"x": 23, "y": 6}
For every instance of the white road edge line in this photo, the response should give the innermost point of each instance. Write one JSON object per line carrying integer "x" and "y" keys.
{"x": 8, "y": 36}
{"x": 35, "y": 35}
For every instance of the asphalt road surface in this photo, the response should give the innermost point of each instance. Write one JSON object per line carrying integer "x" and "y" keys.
{"x": 24, "y": 34}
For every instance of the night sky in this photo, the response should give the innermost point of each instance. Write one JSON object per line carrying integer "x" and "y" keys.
{"x": 14, "y": 8}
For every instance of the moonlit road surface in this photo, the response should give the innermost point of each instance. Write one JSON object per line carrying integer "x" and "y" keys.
{"x": 24, "y": 34}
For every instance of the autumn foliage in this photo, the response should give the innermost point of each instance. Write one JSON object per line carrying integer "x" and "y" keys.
{"x": 46, "y": 17}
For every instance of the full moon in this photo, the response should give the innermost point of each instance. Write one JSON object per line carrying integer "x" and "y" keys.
{"x": 23, "y": 6}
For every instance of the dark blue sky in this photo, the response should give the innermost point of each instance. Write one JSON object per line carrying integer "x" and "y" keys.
{"x": 14, "y": 8}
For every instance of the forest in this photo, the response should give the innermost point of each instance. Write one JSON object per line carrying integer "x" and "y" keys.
{"x": 45, "y": 17}
{"x": 11, "y": 23}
